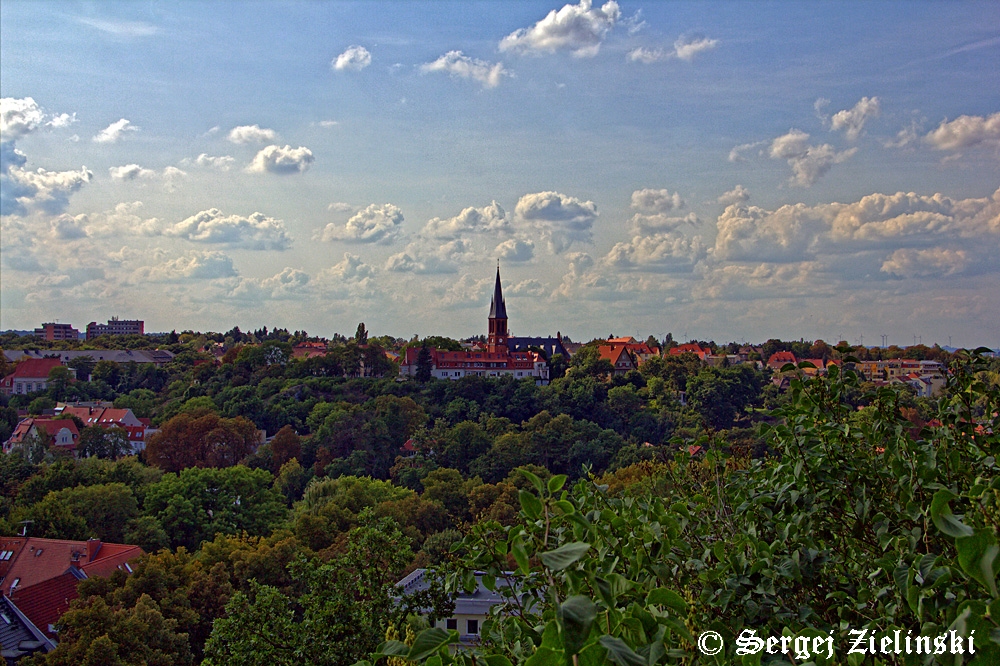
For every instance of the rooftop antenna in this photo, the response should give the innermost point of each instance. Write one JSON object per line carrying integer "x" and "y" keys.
{"x": 24, "y": 530}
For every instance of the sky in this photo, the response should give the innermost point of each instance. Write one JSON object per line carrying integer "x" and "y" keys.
{"x": 730, "y": 171}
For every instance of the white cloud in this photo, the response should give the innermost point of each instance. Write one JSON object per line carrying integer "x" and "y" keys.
{"x": 210, "y": 265}
{"x": 668, "y": 252}
{"x": 651, "y": 224}
{"x": 738, "y": 194}
{"x": 471, "y": 220}
{"x": 352, "y": 269}
{"x": 48, "y": 191}
{"x": 62, "y": 120}
{"x": 254, "y": 232}
{"x": 251, "y": 134}
{"x": 124, "y": 220}
{"x": 686, "y": 48}
{"x": 809, "y": 163}
{"x": 289, "y": 284}
{"x": 932, "y": 262}
{"x": 328, "y": 123}
{"x": 736, "y": 154}
{"x": 515, "y": 250}
{"x": 852, "y": 121}
{"x": 966, "y": 132}
{"x": 113, "y": 132}
{"x": 19, "y": 117}
{"x": 130, "y": 172}
{"x": 462, "y": 66}
{"x": 220, "y": 162}
{"x": 67, "y": 227}
{"x": 283, "y": 161}
{"x": 355, "y": 58}
{"x": 559, "y": 219}
{"x": 656, "y": 201}
{"x": 423, "y": 259}
{"x": 526, "y": 288}
{"x": 121, "y": 28}
{"x": 375, "y": 224}
{"x": 340, "y": 207}
{"x": 579, "y": 29}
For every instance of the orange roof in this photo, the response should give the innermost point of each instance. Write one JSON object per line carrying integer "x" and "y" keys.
{"x": 36, "y": 368}
{"x": 781, "y": 358}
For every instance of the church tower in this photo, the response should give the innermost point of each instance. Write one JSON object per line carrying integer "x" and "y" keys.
{"x": 496, "y": 342}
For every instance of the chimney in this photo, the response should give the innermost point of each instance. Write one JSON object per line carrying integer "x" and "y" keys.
{"x": 93, "y": 546}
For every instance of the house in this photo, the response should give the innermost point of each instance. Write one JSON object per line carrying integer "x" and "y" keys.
{"x": 19, "y": 637}
{"x": 40, "y": 575}
{"x": 640, "y": 351}
{"x": 63, "y": 433}
{"x": 619, "y": 356}
{"x": 30, "y": 375}
{"x": 109, "y": 417}
{"x": 309, "y": 350}
{"x": 779, "y": 359}
{"x": 471, "y": 609}
{"x": 494, "y": 361}
{"x": 691, "y": 348}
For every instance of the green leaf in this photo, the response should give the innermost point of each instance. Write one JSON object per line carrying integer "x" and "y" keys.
{"x": 545, "y": 657}
{"x": 663, "y": 597}
{"x": 533, "y": 478}
{"x": 531, "y": 504}
{"x": 564, "y": 555}
{"x": 520, "y": 555}
{"x": 392, "y": 648}
{"x": 944, "y": 519}
{"x": 577, "y": 615}
{"x": 620, "y": 653}
{"x": 496, "y": 660}
{"x": 429, "y": 641}
{"x": 977, "y": 555}
{"x": 556, "y": 483}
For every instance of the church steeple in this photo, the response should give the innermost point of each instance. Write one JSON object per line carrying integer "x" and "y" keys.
{"x": 497, "y": 339}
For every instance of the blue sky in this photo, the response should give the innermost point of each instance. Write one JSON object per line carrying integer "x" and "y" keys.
{"x": 727, "y": 171}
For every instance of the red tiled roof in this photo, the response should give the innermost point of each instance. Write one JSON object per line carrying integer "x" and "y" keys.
{"x": 36, "y": 368}
{"x": 780, "y": 358}
{"x": 45, "y": 602}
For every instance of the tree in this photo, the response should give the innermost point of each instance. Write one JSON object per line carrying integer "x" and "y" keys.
{"x": 205, "y": 440}
{"x": 109, "y": 443}
{"x": 285, "y": 446}
{"x": 361, "y": 335}
{"x": 84, "y": 366}
{"x": 424, "y": 363}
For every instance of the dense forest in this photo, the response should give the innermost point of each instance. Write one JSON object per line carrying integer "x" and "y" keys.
{"x": 634, "y": 511}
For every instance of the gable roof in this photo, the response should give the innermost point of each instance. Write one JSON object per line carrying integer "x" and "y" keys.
{"x": 35, "y": 368}
{"x": 18, "y": 635}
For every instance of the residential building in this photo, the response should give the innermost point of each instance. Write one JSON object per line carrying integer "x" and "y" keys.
{"x": 691, "y": 348}
{"x": 471, "y": 608}
{"x": 30, "y": 375}
{"x": 495, "y": 360}
{"x": 19, "y": 637}
{"x": 109, "y": 417}
{"x": 619, "y": 356}
{"x": 551, "y": 346}
{"x": 40, "y": 575}
{"x": 779, "y": 359}
{"x": 62, "y": 433}
{"x": 115, "y": 326}
{"x": 54, "y": 331}
{"x": 157, "y": 357}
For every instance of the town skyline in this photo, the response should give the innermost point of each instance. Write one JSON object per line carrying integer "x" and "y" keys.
{"x": 717, "y": 171}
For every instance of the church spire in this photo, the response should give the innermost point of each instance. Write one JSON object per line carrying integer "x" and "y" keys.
{"x": 498, "y": 309}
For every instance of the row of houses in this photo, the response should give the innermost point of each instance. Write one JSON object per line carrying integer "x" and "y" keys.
{"x": 31, "y": 373}
{"x": 64, "y": 434}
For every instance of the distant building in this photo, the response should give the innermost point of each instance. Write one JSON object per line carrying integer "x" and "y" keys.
{"x": 30, "y": 375}
{"x": 40, "y": 575}
{"x": 494, "y": 361}
{"x": 691, "y": 348}
{"x": 115, "y": 326}
{"x": 158, "y": 357}
{"x": 62, "y": 433}
{"x": 53, "y": 331}
{"x": 109, "y": 417}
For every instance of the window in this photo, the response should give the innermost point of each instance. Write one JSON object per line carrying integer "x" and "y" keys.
{"x": 451, "y": 623}
{"x": 472, "y": 626}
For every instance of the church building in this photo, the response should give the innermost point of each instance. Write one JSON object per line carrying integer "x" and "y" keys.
{"x": 494, "y": 360}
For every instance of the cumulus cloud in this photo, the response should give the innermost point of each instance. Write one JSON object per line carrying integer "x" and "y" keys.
{"x": 290, "y": 283}
{"x": 966, "y": 132}
{"x": 124, "y": 219}
{"x": 809, "y": 163}
{"x": 282, "y": 161}
{"x": 738, "y": 194}
{"x": 685, "y": 48}
{"x": 736, "y": 154}
{"x": 354, "y": 58}
{"x": 210, "y": 265}
{"x": 532, "y": 288}
{"x": 378, "y": 223}
{"x": 651, "y": 224}
{"x": 352, "y": 269}
{"x": 471, "y": 220}
{"x": 251, "y": 134}
{"x": 931, "y": 262}
{"x": 219, "y": 162}
{"x": 656, "y": 201}
{"x": 423, "y": 259}
{"x": 515, "y": 250}
{"x": 67, "y": 227}
{"x": 462, "y": 66}
{"x": 115, "y": 131}
{"x": 19, "y": 117}
{"x": 341, "y": 207}
{"x": 667, "y": 252}
{"x": 852, "y": 121}
{"x": 254, "y": 232}
{"x": 130, "y": 172}
{"x": 579, "y": 29}
{"x": 560, "y": 220}
{"x": 47, "y": 191}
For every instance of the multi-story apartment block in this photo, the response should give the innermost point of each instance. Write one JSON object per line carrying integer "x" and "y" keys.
{"x": 115, "y": 326}
{"x": 54, "y": 331}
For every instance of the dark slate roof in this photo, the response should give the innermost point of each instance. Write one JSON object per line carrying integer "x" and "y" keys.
{"x": 18, "y": 636}
{"x": 478, "y": 602}
{"x": 498, "y": 309}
